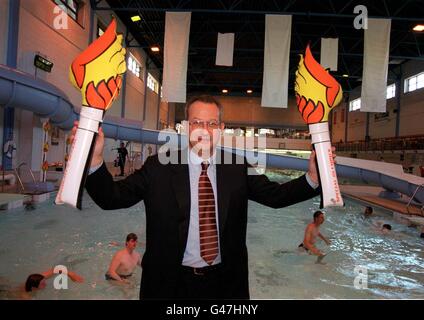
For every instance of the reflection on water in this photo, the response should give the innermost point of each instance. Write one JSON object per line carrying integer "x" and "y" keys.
{"x": 45, "y": 224}
{"x": 52, "y": 235}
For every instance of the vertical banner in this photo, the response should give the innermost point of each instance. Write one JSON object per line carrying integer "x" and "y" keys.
{"x": 376, "y": 64}
{"x": 329, "y": 53}
{"x": 177, "y": 33}
{"x": 225, "y": 49}
{"x": 276, "y": 61}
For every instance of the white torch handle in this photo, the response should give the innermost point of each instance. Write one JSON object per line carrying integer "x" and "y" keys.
{"x": 70, "y": 191}
{"x": 331, "y": 195}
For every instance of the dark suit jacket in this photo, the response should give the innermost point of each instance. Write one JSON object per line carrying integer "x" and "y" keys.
{"x": 165, "y": 190}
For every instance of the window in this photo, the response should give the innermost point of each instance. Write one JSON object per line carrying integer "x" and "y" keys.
{"x": 71, "y": 7}
{"x": 355, "y": 104}
{"x": 229, "y": 131}
{"x": 334, "y": 117}
{"x": 391, "y": 91}
{"x": 266, "y": 132}
{"x": 152, "y": 83}
{"x": 414, "y": 83}
{"x": 134, "y": 65}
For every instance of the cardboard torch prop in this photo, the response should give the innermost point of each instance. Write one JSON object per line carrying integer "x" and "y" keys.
{"x": 97, "y": 73}
{"x": 317, "y": 93}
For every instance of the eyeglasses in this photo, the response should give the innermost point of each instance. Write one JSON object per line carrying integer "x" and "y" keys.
{"x": 213, "y": 124}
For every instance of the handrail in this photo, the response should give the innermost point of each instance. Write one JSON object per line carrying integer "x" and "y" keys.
{"x": 412, "y": 197}
{"x": 383, "y": 144}
{"x": 17, "y": 170}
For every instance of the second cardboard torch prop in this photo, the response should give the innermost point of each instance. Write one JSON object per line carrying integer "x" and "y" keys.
{"x": 97, "y": 73}
{"x": 317, "y": 93}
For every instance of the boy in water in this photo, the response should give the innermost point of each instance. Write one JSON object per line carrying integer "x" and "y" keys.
{"x": 124, "y": 261}
{"x": 311, "y": 233}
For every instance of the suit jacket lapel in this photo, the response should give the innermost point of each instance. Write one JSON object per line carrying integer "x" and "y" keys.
{"x": 223, "y": 191}
{"x": 181, "y": 185}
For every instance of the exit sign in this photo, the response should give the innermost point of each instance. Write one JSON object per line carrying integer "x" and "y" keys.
{"x": 43, "y": 63}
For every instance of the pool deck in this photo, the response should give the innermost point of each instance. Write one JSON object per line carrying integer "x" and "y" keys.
{"x": 370, "y": 195}
{"x": 9, "y": 201}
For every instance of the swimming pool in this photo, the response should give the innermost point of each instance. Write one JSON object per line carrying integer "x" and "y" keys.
{"x": 34, "y": 240}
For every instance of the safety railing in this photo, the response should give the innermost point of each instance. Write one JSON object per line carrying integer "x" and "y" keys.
{"x": 17, "y": 172}
{"x": 412, "y": 198}
{"x": 385, "y": 144}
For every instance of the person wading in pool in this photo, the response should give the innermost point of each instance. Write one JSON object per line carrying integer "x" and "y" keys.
{"x": 312, "y": 232}
{"x": 196, "y": 209}
{"x": 124, "y": 261}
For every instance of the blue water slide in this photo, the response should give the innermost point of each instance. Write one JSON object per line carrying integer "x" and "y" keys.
{"x": 22, "y": 90}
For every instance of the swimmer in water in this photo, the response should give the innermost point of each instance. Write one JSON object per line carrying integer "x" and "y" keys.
{"x": 34, "y": 283}
{"x": 368, "y": 212}
{"x": 37, "y": 281}
{"x": 311, "y": 233}
{"x": 124, "y": 261}
{"x": 386, "y": 228}
{"x": 381, "y": 227}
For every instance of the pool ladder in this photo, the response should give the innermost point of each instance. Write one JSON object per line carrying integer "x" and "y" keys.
{"x": 413, "y": 196}
{"x": 17, "y": 170}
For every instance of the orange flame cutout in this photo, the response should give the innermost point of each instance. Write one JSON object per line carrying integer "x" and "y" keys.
{"x": 97, "y": 71}
{"x": 317, "y": 92}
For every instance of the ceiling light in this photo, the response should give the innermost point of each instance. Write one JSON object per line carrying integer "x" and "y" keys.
{"x": 136, "y": 18}
{"x": 249, "y": 91}
{"x": 419, "y": 27}
{"x": 345, "y": 76}
{"x": 154, "y": 49}
{"x": 224, "y": 91}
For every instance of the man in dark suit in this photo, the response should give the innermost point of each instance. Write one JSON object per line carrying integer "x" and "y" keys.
{"x": 196, "y": 210}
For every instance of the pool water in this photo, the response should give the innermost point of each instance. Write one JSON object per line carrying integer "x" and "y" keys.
{"x": 33, "y": 241}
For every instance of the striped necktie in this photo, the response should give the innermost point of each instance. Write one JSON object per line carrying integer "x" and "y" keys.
{"x": 208, "y": 232}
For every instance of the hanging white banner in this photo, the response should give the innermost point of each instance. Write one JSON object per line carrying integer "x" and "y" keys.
{"x": 329, "y": 53}
{"x": 177, "y": 33}
{"x": 225, "y": 49}
{"x": 276, "y": 61}
{"x": 376, "y": 65}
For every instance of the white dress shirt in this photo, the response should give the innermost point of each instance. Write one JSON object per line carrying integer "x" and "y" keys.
{"x": 192, "y": 256}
